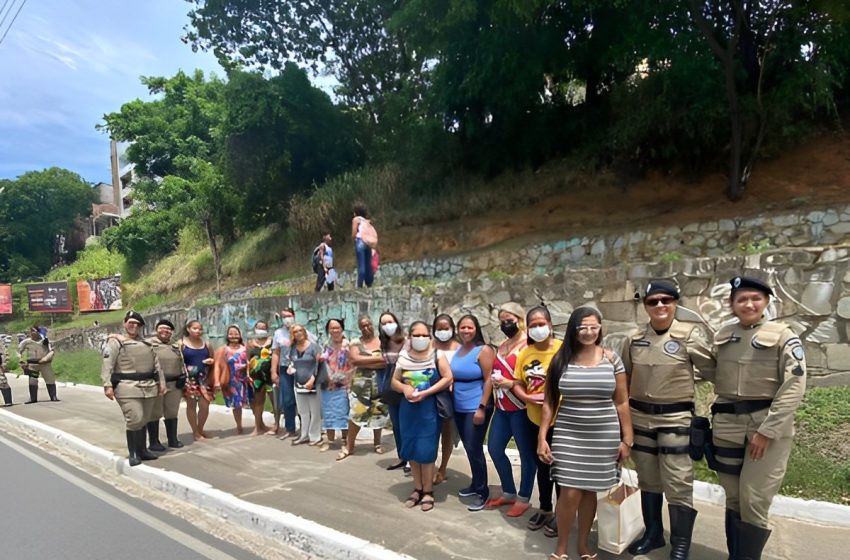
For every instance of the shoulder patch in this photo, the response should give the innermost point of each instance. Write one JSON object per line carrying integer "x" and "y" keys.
{"x": 797, "y": 352}
{"x": 672, "y": 346}
{"x": 106, "y": 351}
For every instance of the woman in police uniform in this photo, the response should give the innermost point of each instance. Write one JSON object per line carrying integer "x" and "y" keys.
{"x": 661, "y": 359}
{"x": 37, "y": 362}
{"x": 170, "y": 359}
{"x": 759, "y": 382}
{"x": 131, "y": 375}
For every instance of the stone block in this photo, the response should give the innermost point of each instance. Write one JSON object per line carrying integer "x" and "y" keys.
{"x": 830, "y": 217}
{"x": 618, "y": 311}
{"x": 841, "y": 228}
{"x": 825, "y": 333}
{"x": 837, "y": 356}
{"x": 815, "y": 216}
{"x": 500, "y": 297}
{"x": 817, "y": 298}
{"x": 785, "y": 220}
{"x": 832, "y": 254}
{"x": 726, "y": 225}
{"x": 691, "y": 228}
{"x": 709, "y": 226}
{"x": 695, "y": 286}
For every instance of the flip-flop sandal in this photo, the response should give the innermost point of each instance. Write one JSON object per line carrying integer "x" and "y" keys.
{"x": 414, "y": 499}
{"x": 344, "y": 453}
{"x": 427, "y": 501}
{"x": 588, "y": 556}
{"x": 555, "y": 556}
{"x": 551, "y": 528}
{"x": 379, "y": 449}
{"x": 538, "y": 520}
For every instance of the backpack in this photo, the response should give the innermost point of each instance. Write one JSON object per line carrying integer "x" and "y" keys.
{"x": 317, "y": 259}
{"x": 367, "y": 233}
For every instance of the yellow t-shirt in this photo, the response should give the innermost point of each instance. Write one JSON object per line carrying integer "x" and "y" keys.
{"x": 530, "y": 370}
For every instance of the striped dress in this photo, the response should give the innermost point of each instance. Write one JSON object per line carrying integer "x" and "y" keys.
{"x": 586, "y": 438}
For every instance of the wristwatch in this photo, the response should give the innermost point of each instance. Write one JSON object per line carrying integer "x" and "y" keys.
{"x": 482, "y": 407}
{"x": 629, "y": 444}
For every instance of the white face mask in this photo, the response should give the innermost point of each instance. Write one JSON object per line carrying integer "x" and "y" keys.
{"x": 389, "y": 328}
{"x": 443, "y": 336}
{"x": 288, "y": 321}
{"x": 539, "y": 334}
{"x": 260, "y": 333}
{"x": 419, "y": 343}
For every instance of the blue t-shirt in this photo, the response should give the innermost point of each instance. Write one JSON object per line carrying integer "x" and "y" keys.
{"x": 468, "y": 380}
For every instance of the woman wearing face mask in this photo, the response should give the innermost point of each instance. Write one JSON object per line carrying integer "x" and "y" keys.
{"x": 530, "y": 373}
{"x": 418, "y": 377}
{"x": 392, "y": 341}
{"x": 231, "y": 365}
{"x": 366, "y": 408}
{"x": 260, "y": 372}
{"x": 304, "y": 359}
{"x": 510, "y": 419}
{"x": 472, "y": 366}
{"x": 586, "y": 387}
{"x": 335, "y": 393}
{"x": 445, "y": 345}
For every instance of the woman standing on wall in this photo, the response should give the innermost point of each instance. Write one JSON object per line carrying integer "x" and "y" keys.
{"x": 530, "y": 373}
{"x": 472, "y": 366}
{"x": 231, "y": 373}
{"x": 260, "y": 371}
{"x": 200, "y": 385}
{"x": 392, "y": 341}
{"x": 366, "y": 408}
{"x": 359, "y": 226}
{"x": 445, "y": 345}
{"x": 335, "y": 393}
{"x": 586, "y": 388}
{"x": 510, "y": 419}
{"x": 759, "y": 383}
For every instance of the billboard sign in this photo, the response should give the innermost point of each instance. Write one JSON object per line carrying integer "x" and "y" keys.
{"x": 50, "y": 297}
{"x": 5, "y": 299}
{"x": 103, "y": 294}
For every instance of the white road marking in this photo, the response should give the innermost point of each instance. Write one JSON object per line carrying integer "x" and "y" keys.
{"x": 184, "y": 539}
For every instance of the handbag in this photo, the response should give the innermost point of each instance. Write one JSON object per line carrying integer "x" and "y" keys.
{"x": 619, "y": 517}
{"x": 445, "y": 405}
{"x": 388, "y": 395}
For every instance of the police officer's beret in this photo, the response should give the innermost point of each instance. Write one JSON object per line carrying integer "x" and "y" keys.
{"x": 749, "y": 283}
{"x": 660, "y": 286}
{"x": 135, "y": 316}
{"x": 165, "y": 322}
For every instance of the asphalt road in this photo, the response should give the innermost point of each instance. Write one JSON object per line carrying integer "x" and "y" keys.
{"x": 51, "y": 510}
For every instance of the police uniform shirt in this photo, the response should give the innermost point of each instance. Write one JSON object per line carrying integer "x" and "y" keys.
{"x": 123, "y": 355}
{"x": 170, "y": 357}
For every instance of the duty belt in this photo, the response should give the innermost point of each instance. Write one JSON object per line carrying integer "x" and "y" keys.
{"x": 650, "y": 408}
{"x": 741, "y": 407}
{"x": 135, "y": 376}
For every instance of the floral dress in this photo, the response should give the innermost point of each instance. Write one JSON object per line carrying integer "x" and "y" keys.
{"x": 366, "y": 408}
{"x": 241, "y": 387}
{"x": 260, "y": 366}
{"x": 335, "y": 405}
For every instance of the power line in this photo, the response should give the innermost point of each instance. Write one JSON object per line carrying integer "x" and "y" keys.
{"x": 11, "y": 23}
{"x": 3, "y": 9}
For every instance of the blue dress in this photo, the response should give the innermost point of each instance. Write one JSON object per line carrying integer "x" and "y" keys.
{"x": 420, "y": 423}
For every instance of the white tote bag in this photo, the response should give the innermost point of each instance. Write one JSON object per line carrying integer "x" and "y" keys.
{"x": 618, "y": 516}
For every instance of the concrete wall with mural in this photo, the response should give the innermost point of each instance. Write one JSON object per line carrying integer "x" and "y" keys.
{"x": 812, "y": 288}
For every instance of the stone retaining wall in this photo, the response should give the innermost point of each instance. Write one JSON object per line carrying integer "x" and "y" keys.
{"x": 812, "y": 295}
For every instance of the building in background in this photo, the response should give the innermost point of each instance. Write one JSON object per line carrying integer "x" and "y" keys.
{"x": 123, "y": 176}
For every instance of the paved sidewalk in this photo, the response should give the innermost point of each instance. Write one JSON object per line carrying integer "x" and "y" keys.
{"x": 357, "y": 496}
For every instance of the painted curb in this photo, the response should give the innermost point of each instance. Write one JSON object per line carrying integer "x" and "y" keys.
{"x": 300, "y": 533}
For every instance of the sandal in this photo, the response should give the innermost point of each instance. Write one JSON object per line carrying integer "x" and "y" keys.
{"x": 551, "y": 528}
{"x": 556, "y": 556}
{"x": 427, "y": 501}
{"x": 379, "y": 449}
{"x": 518, "y": 509}
{"x": 495, "y": 503}
{"x": 588, "y": 557}
{"x": 538, "y": 520}
{"x": 344, "y": 453}
{"x": 414, "y": 498}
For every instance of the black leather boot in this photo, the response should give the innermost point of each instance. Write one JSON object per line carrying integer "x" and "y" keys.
{"x": 171, "y": 433}
{"x": 133, "y": 447}
{"x": 143, "y": 452}
{"x": 751, "y": 541}
{"x": 33, "y": 394}
{"x": 681, "y": 530}
{"x": 7, "y": 396}
{"x": 153, "y": 436}
{"x": 51, "y": 391}
{"x": 733, "y": 518}
{"x": 653, "y": 536}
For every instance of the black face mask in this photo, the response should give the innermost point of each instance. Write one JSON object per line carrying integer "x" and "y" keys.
{"x": 510, "y": 328}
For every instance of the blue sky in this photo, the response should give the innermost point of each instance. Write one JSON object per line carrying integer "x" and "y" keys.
{"x": 65, "y": 63}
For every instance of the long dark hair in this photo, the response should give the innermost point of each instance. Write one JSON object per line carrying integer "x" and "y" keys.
{"x": 227, "y": 330}
{"x": 542, "y": 310}
{"x": 478, "y": 339}
{"x": 341, "y": 324}
{"x": 189, "y": 323}
{"x": 447, "y": 317}
{"x": 382, "y": 336}
{"x": 360, "y": 209}
{"x": 562, "y": 358}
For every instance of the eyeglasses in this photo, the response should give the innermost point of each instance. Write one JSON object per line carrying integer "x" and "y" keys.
{"x": 589, "y": 328}
{"x": 659, "y": 301}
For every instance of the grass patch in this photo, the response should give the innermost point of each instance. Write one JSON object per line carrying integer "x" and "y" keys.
{"x": 78, "y": 367}
{"x": 271, "y": 291}
{"x": 256, "y": 249}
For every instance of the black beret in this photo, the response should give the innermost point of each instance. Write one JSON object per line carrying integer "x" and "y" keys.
{"x": 136, "y": 316}
{"x": 665, "y": 287}
{"x": 749, "y": 283}
{"x": 165, "y": 322}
